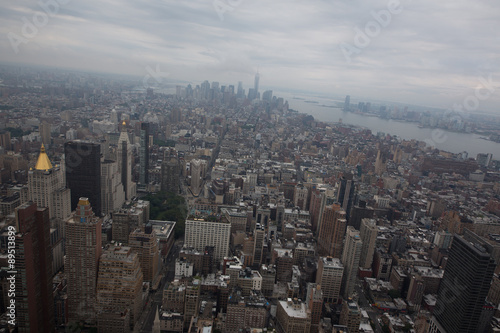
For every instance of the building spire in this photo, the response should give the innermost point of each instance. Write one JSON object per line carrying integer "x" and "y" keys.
{"x": 43, "y": 162}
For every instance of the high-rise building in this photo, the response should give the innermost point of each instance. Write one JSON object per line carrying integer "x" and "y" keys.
{"x": 368, "y": 234}
{"x": 197, "y": 175}
{"x": 244, "y": 312}
{"x": 347, "y": 103}
{"x": 200, "y": 233}
{"x": 345, "y": 195}
{"x": 332, "y": 231}
{"x": 124, "y": 159}
{"x": 465, "y": 285}
{"x": 83, "y": 172}
{"x": 145, "y": 244}
{"x": 256, "y": 84}
{"x": 314, "y": 300}
{"x": 329, "y": 277}
{"x": 292, "y": 317}
{"x": 144, "y": 154}
{"x": 33, "y": 281}
{"x": 83, "y": 249}
{"x": 350, "y": 260}
{"x": 112, "y": 193}
{"x": 350, "y": 316}
{"x": 45, "y": 130}
{"x": 119, "y": 283}
{"x": 46, "y": 188}
{"x": 258, "y": 250}
{"x": 170, "y": 175}
{"x": 129, "y": 218}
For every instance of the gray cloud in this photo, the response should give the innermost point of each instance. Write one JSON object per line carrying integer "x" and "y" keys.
{"x": 431, "y": 53}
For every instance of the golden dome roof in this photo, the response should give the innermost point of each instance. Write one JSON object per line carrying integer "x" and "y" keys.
{"x": 43, "y": 162}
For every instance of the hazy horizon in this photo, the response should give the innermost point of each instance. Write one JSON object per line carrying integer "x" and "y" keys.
{"x": 435, "y": 54}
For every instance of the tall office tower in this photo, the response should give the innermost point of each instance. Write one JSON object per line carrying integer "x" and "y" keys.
{"x": 350, "y": 259}
{"x": 345, "y": 195}
{"x": 5, "y": 140}
{"x": 267, "y": 95}
{"x": 112, "y": 193}
{"x": 197, "y": 175}
{"x": 46, "y": 188}
{"x": 258, "y": 250}
{"x": 44, "y": 130}
{"x": 368, "y": 234}
{"x": 33, "y": 280}
{"x": 314, "y": 300}
{"x": 83, "y": 249}
{"x": 144, "y": 154}
{"x": 465, "y": 285}
{"x": 332, "y": 231}
{"x": 240, "y": 92}
{"x": 300, "y": 196}
{"x": 200, "y": 233}
{"x": 347, "y": 103}
{"x": 380, "y": 163}
{"x": 316, "y": 207}
{"x": 329, "y": 277}
{"x": 124, "y": 158}
{"x": 119, "y": 282}
{"x": 170, "y": 175}
{"x": 145, "y": 244}
{"x": 256, "y": 84}
{"x": 83, "y": 172}
{"x": 129, "y": 218}
{"x": 350, "y": 316}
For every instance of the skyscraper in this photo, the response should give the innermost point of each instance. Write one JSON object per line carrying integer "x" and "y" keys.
{"x": 201, "y": 233}
{"x": 83, "y": 249}
{"x": 345, "y": 196}
{"x": 368, "y": 234}
{"x": 119, "y": 283}
{"x": 332, "y": 231}
{"x": 347, "y": 103}
{"x": 34, "y": 300}
{"x": 83, "y": 172}
{"x": 145, "y": 244}
{"x": 256, "y": 84}
{"x": 329, "y": 277}
{"x": 464, "y": 286}
{"x": 258, "y": 249}
{"x": 350, "y": 259}
{"x": 144, "y": 154}
{"x": 46, "y": 188}
{"x": 124, "y": 159}
{"x": 112, "y": 192}
{"x": 170, "y": 175}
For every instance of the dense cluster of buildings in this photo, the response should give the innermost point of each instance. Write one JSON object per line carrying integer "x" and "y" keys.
{"x": 293, "y": 225}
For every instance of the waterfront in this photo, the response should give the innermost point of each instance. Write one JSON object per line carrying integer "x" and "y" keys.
{"x": 445, "y": 140}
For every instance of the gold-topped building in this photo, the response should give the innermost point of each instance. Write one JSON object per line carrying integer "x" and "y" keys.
{"x": 47, "y": 188}
{"x": 43, "y": 162}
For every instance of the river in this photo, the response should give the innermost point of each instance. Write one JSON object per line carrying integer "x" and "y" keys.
{"x": 445, "y": 140}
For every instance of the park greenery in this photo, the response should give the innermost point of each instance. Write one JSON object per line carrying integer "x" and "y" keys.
{"x": 167, "y": 206}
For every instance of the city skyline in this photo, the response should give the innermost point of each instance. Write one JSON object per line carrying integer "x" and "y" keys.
{"x": 379, "y": 49}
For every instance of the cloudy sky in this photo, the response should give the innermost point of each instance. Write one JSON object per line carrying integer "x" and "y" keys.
{"x": 423, "y": 52}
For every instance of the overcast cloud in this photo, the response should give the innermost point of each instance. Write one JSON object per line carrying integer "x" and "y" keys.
{"x": 430, "y": 53}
